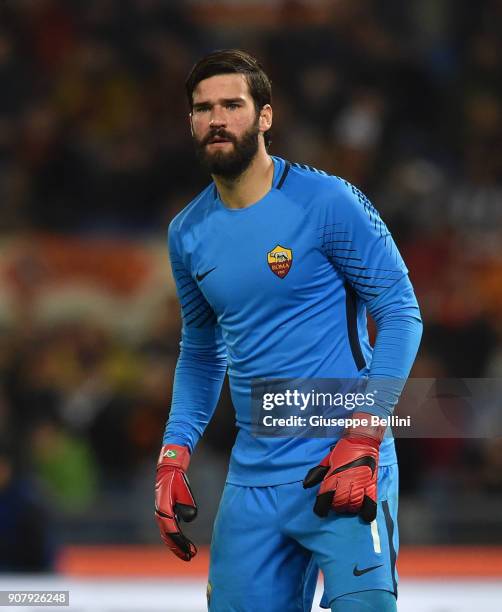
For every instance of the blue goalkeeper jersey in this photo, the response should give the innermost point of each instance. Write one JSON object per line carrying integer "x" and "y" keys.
{"x": 277, "y": 290}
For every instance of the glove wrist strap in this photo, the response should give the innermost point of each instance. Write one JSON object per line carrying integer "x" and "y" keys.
{"x": 175, "y": 456}
{"x": 370, "y": 434}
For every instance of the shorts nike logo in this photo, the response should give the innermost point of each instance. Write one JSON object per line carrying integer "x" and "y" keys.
{"x": 358, "y": 572}
{"x": 199, "y": 277}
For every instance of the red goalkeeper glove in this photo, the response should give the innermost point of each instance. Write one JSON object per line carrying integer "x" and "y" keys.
{"x": 348, "y": 474}
{"x": 174, "y": 499}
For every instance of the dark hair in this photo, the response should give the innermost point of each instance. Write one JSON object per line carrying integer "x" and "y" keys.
{"x": 233, "y": 61}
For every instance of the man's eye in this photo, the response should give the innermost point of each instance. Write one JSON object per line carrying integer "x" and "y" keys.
{"x": 232, "y": 105}
{"x": 201, "y": 109}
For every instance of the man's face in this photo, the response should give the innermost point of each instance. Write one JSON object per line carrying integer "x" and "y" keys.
{"x": 225, "y": 124}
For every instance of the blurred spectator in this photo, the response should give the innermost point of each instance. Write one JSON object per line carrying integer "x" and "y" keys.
{"x": 491, "y": 465}
{"x": 26, "y": 540}
{"x": 64, "y": 467}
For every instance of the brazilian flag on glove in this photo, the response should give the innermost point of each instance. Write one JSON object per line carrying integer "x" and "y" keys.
{"x": 174, "y": 499}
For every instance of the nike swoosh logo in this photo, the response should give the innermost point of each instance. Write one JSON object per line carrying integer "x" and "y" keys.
{"x": 200, "y": 277}
{"x": 358, "y": 572}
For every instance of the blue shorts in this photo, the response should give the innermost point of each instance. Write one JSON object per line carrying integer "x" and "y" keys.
{"x": 268, "y": 546}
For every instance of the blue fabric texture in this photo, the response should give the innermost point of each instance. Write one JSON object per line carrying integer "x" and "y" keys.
{"x": 268, "y": 547}
{"x": 365, "y": 601}
{"x": 281, "y": 289}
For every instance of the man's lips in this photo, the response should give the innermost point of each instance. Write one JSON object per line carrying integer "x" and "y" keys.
{"x": 218, "y": 138}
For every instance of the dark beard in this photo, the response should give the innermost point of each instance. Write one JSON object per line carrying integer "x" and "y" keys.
{"x": 233, "y": 164}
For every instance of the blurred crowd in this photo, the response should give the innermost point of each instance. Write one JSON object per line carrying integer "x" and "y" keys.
{"x": 402, "y": 99}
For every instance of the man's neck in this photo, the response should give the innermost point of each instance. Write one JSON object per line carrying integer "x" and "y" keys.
{"x": 249, "y": 187}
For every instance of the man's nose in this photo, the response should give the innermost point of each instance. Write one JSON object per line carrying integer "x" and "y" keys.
{"x": 217, "y": 118}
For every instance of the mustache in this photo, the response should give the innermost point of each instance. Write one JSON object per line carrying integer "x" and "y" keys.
{"x": 218, "y": 133}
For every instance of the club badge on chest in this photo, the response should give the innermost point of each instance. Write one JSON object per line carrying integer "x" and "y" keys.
{"x": 280, "y": 260}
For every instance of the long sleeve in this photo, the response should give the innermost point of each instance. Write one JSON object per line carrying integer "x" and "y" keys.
{"x": 202, "y": 363}
{"x": 360, "y": 245}
{"x": 399, "y": 330}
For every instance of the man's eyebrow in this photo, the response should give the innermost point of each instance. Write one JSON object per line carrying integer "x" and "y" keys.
{"x": 220, "y": 101}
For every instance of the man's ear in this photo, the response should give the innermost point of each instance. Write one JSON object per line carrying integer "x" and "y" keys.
{"x": 190, "y": 120}
{"x": 265, "y": 120}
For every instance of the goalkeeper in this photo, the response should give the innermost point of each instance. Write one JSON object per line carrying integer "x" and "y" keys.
{"x": 276, "y": 265}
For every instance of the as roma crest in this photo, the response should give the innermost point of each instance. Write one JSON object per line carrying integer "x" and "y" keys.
{"x": 280, "y": 260}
